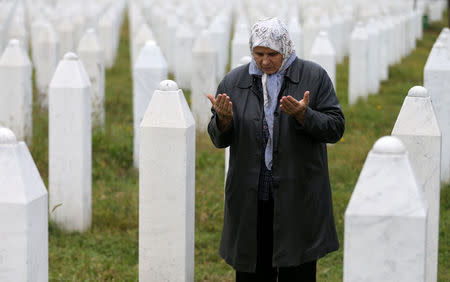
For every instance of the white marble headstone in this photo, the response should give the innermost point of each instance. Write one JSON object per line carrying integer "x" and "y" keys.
{"x": 184, "y": 41}
{"x": 93, "y": 58}
{"x": 66, "y": 34}
{"x": 149, "y": 70}
{"x": 385, "y": 220}
{"x": 296, "y": 33}
{"x": 323, "y": 53}
{"x": 70, "y": 149}
{"x": 106, "y": 31}
{"x": 239, "y": 44}
{"x": 358, "y": 64}
{"x": 373, "y": 70}
{"x": 47, "y": 57}
{"x": 418, "y": 128}
{"x": 16, "y": 95}
{"x": 167, "y": 188}
{"x": 23, "y": 214}
{"x": 204, "y": 79}
{"x": 437, "y": 82}
{"x": 143, "y": 35}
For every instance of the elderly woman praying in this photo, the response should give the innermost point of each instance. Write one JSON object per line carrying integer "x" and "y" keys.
{"x": 276, "y": 113}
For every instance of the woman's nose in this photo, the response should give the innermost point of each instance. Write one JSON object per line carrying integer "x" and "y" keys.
{"x": 265, "y": 61}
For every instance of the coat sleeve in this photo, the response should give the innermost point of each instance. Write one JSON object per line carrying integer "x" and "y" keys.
{"x": 324, "y": 120}
{"x": 220, "y": 139}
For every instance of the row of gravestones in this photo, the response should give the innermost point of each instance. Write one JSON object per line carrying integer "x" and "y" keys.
{"x": 392, "y": 219}
{"x": 199, "y": 55}
{"x": 96, "y": 48}
{"x": 397, "y": 193}
{"x": 387, "y": 200}
{"x": 70, "y": 67}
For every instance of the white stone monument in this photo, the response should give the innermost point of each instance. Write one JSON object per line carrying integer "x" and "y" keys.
{"x": 204, "y": 64}
{"x": 437, "y": 82}
{"x": 384, "y": 50}
{"x": 23, "y": 214}
{"x": 385, "y": 220}
{"x": 167, "y": 188}
{"x": 239, "y": 44}
{"x": 373, "y": 70}
{"x": 143, "y": 35}
{"x": 219, "y": 37}
{"x": 323, "y": 53}
{"x": 16, "y": 95}
{"x": 310, "y": 31}
{"x": 66, "y": 34}
{"x": 150, "y": 69}
{"x": 47, "y": 60}
{"x": 184, "y": 41}
{"x": 106, "y": 34}
{"x": 358, "y": 64}
{"x": 418, "y": 128}
{"x": 70, "y": 146}
{"x": 296, "y": 33}
{"x": 92, "y": 56}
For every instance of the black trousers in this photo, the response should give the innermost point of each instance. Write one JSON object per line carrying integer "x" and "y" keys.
{"x": 264, "y": 271}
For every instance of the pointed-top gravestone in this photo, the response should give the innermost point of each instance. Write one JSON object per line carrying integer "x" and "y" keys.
{"x": 323, "y": 53}
{"x": 16, "y": 95}
{"x": 358, "y": 64}
{"x": 418, "y": 128}
{"x": 373, "y": 70}
{"x": 66, "y": 34}
{"x": 184, "y": 41}
{"x": 218, "y": 33}
{"x": 106, "y": 35}
{"x": 172, "y": 24}
{"x": 92, "y": 56}
{"x": 239, "y": 44}
{"x": 143, "y": 35}
{"x": 296, "y": 33}
{"x": 17, "y": 30}
{"x": 384, "y": 49}
{"x": 47, "y": 56}
{"x": 337, "y": 35}
{"x": 204, "y": 64}
{"x": 385, "y": 220}
{"x": 310, "y": 32}
{"x": 36, "y": 27}
{"x": 167, "y": 182}
{"x": 23, "y": 214}
{"x": 70, "y": 145}
{"x": 436, "y": 74}
{"x": 150, "y": 68}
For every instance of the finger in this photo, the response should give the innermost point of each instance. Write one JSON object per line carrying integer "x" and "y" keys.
{"x": 220, "y": 101}
{"x": 289, "y": 104}
{"x": 292, "y": 100}
{"x": 211, "y": 98}
{"x": 230, "y": 108}
{"x": 306, "y": 98}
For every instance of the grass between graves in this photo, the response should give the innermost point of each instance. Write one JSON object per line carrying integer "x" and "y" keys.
{"x": 109, "y": 250}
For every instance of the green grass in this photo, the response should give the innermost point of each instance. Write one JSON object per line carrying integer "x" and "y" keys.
{"x": 109, "y": 250}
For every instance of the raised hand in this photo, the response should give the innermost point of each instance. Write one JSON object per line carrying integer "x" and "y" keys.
{"x": 223, "y": 107}
{"x": 295, "y": 108}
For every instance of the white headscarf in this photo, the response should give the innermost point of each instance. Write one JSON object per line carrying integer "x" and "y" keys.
{"x": 271, "y": 33}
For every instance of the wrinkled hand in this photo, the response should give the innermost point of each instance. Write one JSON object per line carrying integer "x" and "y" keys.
{"x": 294, "y": 108}
{"x": 223, "y": 107}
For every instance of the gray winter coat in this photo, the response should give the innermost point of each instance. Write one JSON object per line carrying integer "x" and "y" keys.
{"x": 303, "y": 224}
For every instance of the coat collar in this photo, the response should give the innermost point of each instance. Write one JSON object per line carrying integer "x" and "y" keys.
{"x": 292, "y": 73}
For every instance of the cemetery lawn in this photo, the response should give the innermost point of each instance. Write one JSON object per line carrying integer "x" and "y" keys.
{"x": 109, "y": 250}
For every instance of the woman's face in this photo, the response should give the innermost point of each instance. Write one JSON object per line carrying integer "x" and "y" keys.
{"x": 268, "y": 60}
